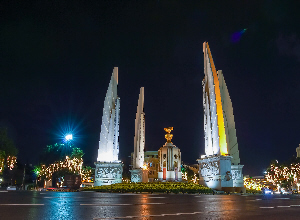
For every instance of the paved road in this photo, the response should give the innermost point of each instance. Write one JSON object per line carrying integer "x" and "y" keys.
{"x": 91, "y": 205}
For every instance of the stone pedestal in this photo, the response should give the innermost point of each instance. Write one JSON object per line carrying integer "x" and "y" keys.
{"x": 139, "y": 175}
{"x": 215, "y": 172}
{"x": 108, "y": 173}
{"x": 237, "y": 175}
{"x": 171, "y": 176}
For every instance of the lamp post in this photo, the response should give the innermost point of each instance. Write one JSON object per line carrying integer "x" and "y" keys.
{"x": 36, "y": 178}
{"x": 68, "y": 139}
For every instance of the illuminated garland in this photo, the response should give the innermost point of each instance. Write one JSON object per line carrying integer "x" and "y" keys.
{"x": 1, "y": 164}
{"x": 86, "y": 173}
{"x": 256, "y": 184}
{"x": 10, "y": 161}
{"x": 74, "y": 165}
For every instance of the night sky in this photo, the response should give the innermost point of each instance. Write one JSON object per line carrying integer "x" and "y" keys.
{"x": 57, "y": 57}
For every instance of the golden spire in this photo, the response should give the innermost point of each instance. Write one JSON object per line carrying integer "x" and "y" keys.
{"x": 169, "y": 136}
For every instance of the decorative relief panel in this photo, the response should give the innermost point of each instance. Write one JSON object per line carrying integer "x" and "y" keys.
{"x": 236, "y": 174}
{"x": 210, "y": 168}
{"x": 136, "y": 177}
{"x": 108, "y": 173}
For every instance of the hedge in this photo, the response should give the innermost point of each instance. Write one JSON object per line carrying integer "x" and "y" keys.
{"x": 157, "y": 187}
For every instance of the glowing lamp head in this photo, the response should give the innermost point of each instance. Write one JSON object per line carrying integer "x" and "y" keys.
{"x": 69, "y": 137}
{"x": 145, "y": 167}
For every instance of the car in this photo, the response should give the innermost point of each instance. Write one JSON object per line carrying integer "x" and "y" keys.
{"x": 11, "y": 188}
{"x": 267, "y": 191}
{"x": 286, "y": 192}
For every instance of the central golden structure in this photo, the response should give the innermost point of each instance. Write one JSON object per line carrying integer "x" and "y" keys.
{"x": 169, "y": 157}
{"x": 169, "y": 136}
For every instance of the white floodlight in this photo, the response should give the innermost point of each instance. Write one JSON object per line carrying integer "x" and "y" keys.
{"x": 69, "y": 137}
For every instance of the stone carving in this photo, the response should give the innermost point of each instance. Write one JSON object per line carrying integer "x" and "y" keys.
{"x": 228, "y": 176}
{"x": 210, "y": 168}
{"x": 108, "y": 173}
{"x": 136, "y": 177}
{"x": 236, "y": 174}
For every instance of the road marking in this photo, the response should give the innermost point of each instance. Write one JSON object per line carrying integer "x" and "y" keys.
{"x": 267, "y": 207}
{"x": 145, "y": 216}
{"x": 21, "y": 204}
{"x": 155, "y": 197}
{"x": 283, "y": 206}
{"x": 257, "y": 199}
{"x": 106, "y": 204}
{"x": 151, "y": 203}
{"x": 282, "y": 198}
{"x": 132, "y": 194}
{"x": 3, "y": 191}
{"x": 295, "y": 205}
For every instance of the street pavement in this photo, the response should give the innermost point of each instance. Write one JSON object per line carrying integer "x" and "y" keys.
{"x": 92, "y": 205}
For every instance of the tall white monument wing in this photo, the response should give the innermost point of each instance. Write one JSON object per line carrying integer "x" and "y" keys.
{"x": 219, "y": 125}
{"x": 231, "y": 138}
{"x": 139, "y": 135}
{"x": 210, "y": 109}
{"x": 109, "y": 136}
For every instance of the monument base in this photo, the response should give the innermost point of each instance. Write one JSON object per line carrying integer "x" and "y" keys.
{"x": 215, "y": 172}
{"x": 108, "y": 173}
{"x": 139, "y": 175}
{"x": 237, "y": 175}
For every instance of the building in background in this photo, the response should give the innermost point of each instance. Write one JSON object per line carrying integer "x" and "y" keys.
{"x": 298, "y": 151}
{"x": 220, "y": 167}
{"x": 108, "y": 168}
{"x": 152, "y": 163}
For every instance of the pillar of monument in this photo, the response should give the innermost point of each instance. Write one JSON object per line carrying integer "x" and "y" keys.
{"x": 139, "y": 172}
{"x": 220, "y": 167}
{"x": 108, "y": 168}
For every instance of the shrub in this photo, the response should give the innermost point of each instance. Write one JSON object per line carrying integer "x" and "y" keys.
{"x": 158, "y": 187}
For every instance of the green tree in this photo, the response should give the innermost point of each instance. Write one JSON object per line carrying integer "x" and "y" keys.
{"x": 6, "y": 144}
{"x": 77, "y": 153}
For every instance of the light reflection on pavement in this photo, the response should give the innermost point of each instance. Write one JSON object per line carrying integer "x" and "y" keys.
{"x": 93, "y": 205}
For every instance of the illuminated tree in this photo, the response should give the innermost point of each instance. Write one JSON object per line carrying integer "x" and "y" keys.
{"x": 284, "y": 174}
{"x": 8, "y": 151}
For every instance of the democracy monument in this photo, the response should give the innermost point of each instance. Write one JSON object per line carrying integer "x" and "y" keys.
{"x": 220, "y": 167}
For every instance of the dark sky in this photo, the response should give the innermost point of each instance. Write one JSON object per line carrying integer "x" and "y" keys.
{"x": 56, "y": 59}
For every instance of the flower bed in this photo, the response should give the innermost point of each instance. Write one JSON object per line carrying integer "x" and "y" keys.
{"x": 158, "y": 187}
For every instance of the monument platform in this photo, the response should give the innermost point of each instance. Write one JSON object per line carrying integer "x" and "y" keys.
{"x": 108, "y": 173}
{"x": 139, "y": 175}
{"x": 216, "y": 172}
